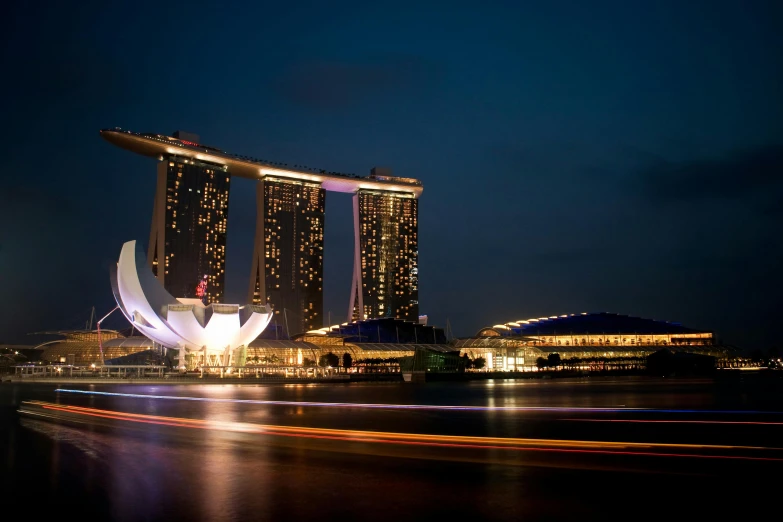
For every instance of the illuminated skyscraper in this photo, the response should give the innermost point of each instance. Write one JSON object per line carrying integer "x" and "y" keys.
{"x": 386, "y": 273}
{"x": 287, "y": 269}
{"x": 187, "y": 247}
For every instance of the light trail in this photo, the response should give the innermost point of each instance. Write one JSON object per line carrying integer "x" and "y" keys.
{"x": 413, "y": 439}
{"x": 666, "y": 421}
{"x": 406, "y": 406}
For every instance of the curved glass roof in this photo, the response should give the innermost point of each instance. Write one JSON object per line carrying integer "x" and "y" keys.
{"x": 591, "y": 323}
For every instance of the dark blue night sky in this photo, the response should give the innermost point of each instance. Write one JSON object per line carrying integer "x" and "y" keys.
{"x": 576, "y": 156}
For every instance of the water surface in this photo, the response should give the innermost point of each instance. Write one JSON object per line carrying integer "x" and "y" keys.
{"x": 221, "y": 458}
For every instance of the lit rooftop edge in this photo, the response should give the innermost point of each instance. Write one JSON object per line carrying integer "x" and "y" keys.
{"x": 158, "y": 146}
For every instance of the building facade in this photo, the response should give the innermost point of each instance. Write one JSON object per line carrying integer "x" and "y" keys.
{"x": 288, "y": 253}
{"x": 214, "y": 334}
{"x": 386, "y": 256}
{"x": 187, "y": 247}
{"x": 588, "y": 338}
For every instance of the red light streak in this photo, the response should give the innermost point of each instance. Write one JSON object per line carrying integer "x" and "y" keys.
{"x": 426, "y": 440}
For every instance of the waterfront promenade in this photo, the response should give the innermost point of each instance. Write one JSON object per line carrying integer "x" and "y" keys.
{"x": 153, "y": 376}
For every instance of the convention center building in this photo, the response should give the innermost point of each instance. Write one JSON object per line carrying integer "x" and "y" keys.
{"x": 518, "y": 345}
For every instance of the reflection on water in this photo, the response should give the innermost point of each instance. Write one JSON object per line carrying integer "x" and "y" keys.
{"x": 113, "y": 468}
{"x": 58, "y": 433}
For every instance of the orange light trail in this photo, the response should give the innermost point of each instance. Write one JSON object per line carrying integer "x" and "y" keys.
{"x": 750, "y": 423}
{"x": 414, "y": 439}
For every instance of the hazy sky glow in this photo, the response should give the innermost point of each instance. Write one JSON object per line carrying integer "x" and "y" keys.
{"x": 576, "y": 156}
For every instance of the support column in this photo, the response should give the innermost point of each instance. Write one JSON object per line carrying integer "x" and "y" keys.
{"x": 257, "y": 289}
{"x": 157, "y": 244}
{"x": 356, "y": 282}
{"x": 181, "y": 358}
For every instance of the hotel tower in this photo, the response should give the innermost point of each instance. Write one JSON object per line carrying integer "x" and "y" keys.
{"x": 386, "y": 254}
{"x": 187, "y": 248}
{"x": 288, "y": 254}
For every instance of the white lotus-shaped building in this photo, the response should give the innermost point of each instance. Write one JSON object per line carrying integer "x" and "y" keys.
{"x": 214, "y": 335}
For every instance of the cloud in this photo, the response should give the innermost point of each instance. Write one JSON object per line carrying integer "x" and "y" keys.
{"x": 751, "y": 172}
{"x": 330, "y": 84}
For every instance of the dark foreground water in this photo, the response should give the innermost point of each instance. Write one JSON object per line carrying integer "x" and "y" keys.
{"x": 587, "y": 449}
